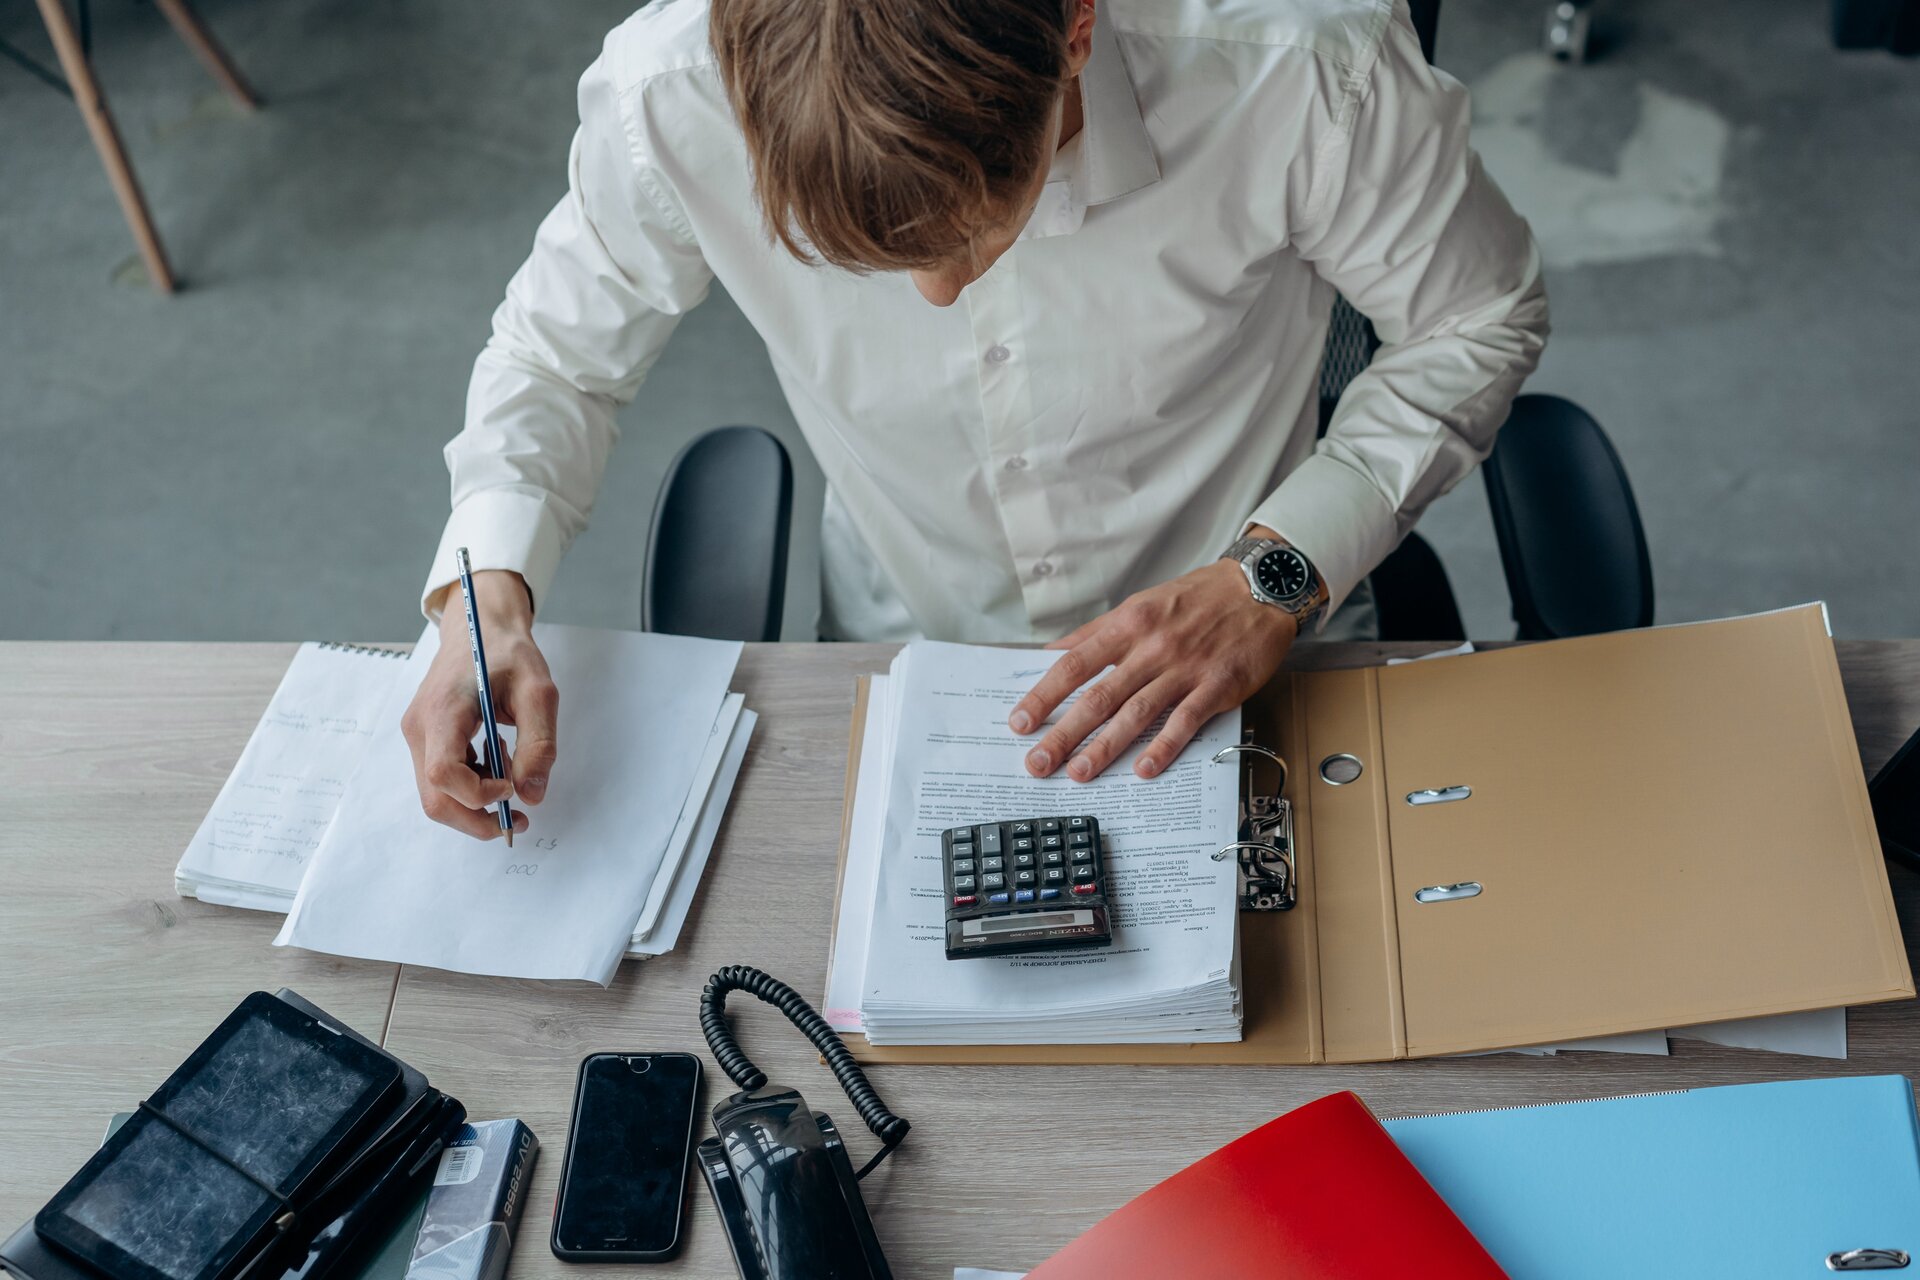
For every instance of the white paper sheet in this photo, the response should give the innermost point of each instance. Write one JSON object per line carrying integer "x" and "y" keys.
{"x": 1653, "y": 1043}
{"x": 255, "y": 842}
{"x": 719, "y": 738}
{"x": 1171, "y": 972}
{"x": 975, "y": 1273}
{"x": 1460, "y": 650}
{"x": 686, "y": 882}
{"x": 389, "y": 884}
{"x": 866, "y": 827}
{"x": 1818, "y": 1033}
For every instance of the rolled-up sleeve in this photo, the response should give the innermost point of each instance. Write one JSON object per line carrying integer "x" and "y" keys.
{"x": 1398, "y": 215}
{"x": 613, "y": 268}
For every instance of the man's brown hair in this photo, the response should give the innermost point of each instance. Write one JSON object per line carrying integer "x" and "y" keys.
{"x": 885, "y": 134}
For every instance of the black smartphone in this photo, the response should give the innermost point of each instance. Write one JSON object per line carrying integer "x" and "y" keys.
{"x": 623, "y": 1185}
{"x": 1896, "y": 804}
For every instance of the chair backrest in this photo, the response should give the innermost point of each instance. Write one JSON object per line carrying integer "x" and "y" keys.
{"x": 717, "y": 554}
{"x": 1569, "y": 531}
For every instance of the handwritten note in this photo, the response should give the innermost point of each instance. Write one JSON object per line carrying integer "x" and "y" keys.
{"x": 636, "y": 715}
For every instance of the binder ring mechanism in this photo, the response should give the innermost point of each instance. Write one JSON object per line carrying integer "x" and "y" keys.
{"x": 1269, "y": 873}
{"x": 1867, "y": 1260}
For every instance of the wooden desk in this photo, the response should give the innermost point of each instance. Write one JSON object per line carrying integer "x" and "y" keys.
{"x": 131, "y": 742}
{"x": 111, "y": 755}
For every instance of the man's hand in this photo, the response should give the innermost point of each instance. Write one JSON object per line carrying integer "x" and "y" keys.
{"x": 444, "y": 718}
{"x": 1200, "y": 644}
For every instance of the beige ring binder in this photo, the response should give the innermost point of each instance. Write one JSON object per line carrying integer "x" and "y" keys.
{"x": 1704, "y": 765}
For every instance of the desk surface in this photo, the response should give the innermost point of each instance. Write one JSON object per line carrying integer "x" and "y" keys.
{"x": 113, "y": 753}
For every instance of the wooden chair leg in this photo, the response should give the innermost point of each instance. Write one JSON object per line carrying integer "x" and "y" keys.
{"x": 106, "y": 140}
{"x": 214, "y": 58}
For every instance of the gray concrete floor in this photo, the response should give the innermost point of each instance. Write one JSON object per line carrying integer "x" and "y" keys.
{"x": 1726, "y": 204}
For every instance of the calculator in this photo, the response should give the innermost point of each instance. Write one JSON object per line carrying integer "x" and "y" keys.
{"x": 1025, "y": 886}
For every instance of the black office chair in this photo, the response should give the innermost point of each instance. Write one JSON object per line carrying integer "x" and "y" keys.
{"x": 1563, "y": 513}
{"x": 717, "y": 552}
{"x": 1570, "y": 536}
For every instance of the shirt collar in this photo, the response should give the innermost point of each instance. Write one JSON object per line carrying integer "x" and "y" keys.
{"x": 1109, "y": 157}
{"x": 1116, "y": 156}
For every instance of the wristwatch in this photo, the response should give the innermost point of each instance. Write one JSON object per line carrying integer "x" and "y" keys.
{"x": 1280, "y": 576}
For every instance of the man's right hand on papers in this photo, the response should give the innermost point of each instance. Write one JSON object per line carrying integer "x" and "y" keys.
{"x": 444, "y": 718}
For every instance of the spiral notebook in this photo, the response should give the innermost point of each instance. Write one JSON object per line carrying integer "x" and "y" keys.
{"x": 254, "y": 844}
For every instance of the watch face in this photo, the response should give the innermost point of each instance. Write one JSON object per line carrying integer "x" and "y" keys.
{"x": 1281, "y": 573}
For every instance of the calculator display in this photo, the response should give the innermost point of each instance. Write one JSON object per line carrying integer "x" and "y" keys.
{"x": 1007, "y": 924}
{"x": 1024, "y": 886}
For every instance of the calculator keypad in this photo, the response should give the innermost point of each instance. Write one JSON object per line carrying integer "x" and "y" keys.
{"x": 995, "y": 871}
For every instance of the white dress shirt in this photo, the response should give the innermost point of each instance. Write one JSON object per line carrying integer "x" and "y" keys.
{"x": 1118, "y": 397}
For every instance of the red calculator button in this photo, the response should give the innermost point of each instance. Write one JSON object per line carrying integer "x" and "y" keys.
{"x": 1083, "y": 888}
{"x": 965, "y": 900}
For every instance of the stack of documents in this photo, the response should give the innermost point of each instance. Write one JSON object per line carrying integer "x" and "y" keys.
{"x": 321, "y": 816}
{"x": 936, "y": 752}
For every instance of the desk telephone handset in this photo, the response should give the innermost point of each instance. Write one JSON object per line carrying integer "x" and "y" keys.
{"x": 781, "y": 1180}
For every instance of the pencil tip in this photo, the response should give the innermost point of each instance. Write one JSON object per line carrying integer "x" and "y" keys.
{"x": 509, "y": 837}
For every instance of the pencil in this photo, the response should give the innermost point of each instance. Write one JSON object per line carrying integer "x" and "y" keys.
{"x": 495, "y": 756}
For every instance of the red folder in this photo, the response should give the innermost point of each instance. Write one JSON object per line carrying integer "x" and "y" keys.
{"x": 1322, "y": 1193}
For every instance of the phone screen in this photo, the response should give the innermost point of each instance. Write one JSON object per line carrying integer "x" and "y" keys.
{"x": 626, "y": 1172}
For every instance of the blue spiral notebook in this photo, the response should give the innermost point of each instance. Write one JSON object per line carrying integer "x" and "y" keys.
{"x": 1745, "y": 1182}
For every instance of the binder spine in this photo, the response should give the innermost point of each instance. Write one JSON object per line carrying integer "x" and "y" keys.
{"x": 1351, "y": 868}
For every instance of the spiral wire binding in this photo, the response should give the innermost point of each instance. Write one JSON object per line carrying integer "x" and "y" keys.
{"x": 365, "y": 650}
{"x": 886, "y": 1126}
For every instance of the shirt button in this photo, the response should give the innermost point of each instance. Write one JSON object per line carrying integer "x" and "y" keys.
{"x": 1043, "y": 569}
{"x": 1018, "y": 462}
{"x": 997, "y": 354}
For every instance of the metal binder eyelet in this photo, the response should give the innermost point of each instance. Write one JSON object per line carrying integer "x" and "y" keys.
{"x": 1269, "y": 872}
{"x": 1867, "y": 1260}
{"x": 1438, "y": 795}
{"x": 1448, "y": 892}
{"x": 1338, "y": 771}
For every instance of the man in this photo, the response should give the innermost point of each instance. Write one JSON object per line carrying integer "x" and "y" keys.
{"x": 1046, "y": 285}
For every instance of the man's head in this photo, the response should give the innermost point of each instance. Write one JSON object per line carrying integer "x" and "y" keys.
{"x": 901, "y": 135}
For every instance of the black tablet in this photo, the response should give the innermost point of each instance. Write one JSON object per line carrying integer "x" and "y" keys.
{"x": 186, "y": 1187}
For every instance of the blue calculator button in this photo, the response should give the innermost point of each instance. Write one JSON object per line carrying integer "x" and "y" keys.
{"x": 1023, "y": 895}
{"x": 1048, "y": 895}
{"x": 998, "y": 899}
